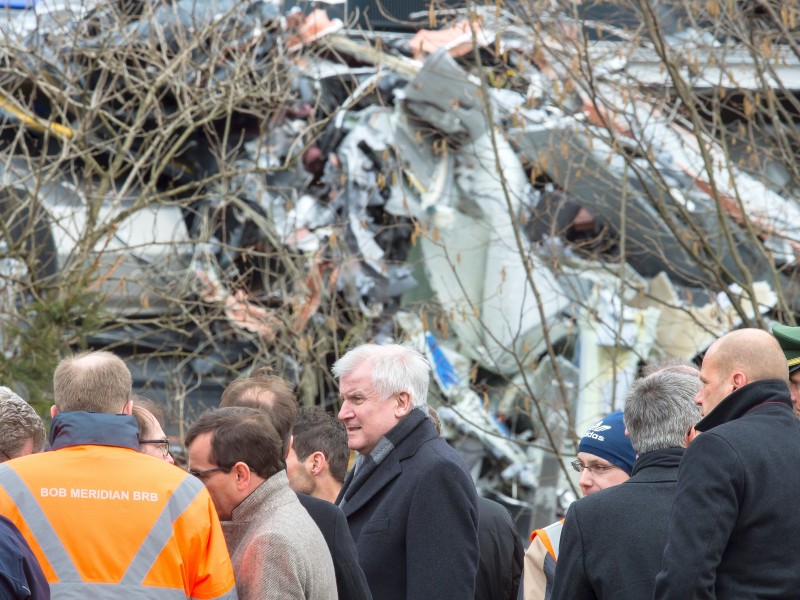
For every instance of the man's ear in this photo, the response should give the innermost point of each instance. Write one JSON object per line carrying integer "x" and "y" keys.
{"x": 128, "y": 408}
{"x": 739, "y": 380}
{"x": 243, "y": 476}
{"x": 317, "y": 462}
{"x": 403, "y": 404}
{"x": 53, "y": 411}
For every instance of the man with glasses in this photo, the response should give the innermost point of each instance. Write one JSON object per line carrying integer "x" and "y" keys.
{"x": 104, "y": 520}
{"x": 612, "y": 540}
{"x": 605, "y": 459}
{"x": 278, "y": 552}
{"x": 273, "y": 395}
{"x": 152, "y": 439}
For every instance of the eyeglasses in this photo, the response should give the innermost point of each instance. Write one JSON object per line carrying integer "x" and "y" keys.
{"x": 207, "y": 472}
{"x": 163, "y": 445}
{"x": 593, "y": 469}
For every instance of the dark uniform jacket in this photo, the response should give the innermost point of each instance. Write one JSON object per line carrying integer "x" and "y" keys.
{"x": 612, "y": 541}
{"x": 734, "y": 532}
{"x": 21, "y": 578}
{"x": 350, "y": 581}
{"x": 500, "y": 566}
{"x": 414, "y": 519}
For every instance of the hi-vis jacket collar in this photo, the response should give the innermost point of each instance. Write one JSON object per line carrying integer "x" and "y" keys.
{"x": 79, "y": 428}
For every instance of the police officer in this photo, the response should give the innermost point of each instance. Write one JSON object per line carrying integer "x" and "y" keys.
{"x": 789, "y": 339}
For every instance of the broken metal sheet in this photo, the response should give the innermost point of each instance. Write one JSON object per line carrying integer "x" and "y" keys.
{"x": 137, "y": 263}
{"x": 446, "y": 98}
{"x": 472, "y": 260}
{"x": 595, "y": 173}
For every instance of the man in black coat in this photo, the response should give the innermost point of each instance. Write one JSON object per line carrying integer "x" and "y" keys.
{"x": 410, "y": 501}
{"x": 734, "y": 531}
{"x": 350, "y": 581}
{"x": 612, "y": 541}
{"x": 501, "y": 553}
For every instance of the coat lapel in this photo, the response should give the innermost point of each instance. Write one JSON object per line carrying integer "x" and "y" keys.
{"x": 380, "y": 478}
{"x": 359, "y": 491}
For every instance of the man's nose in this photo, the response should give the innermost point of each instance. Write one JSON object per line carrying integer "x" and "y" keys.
{"x": 585, "y": 480}
{"x": 345, "y": 412}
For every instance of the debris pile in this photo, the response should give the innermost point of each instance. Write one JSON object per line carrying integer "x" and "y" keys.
{"x": 538, "y": 239}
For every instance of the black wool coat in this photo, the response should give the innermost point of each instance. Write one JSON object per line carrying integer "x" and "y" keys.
{"x": 612, "y": 541}
{"x": 734, "y": 531}
{"x": 415, "y": 521}
{"x": 501, "y": 553}
{"x": 350, "y": 581}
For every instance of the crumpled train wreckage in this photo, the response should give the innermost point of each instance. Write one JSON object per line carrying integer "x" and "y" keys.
{"x": 557, "y": 239}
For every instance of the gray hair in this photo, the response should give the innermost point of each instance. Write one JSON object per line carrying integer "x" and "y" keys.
{"x": 394, "y": 368}
{"x": 18, "y": 424}
{"x": 660, "y": 410}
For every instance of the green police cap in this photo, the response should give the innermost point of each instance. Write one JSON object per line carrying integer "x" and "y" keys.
{"x": 789, "y": 339}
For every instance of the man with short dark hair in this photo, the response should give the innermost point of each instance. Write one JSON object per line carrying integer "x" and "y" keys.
{"x": 318, "y": 457}
{"x": 277, "y": 551}
{"x": 21, "y": 429}
{"x": 273, "y": 395}
{"x": 733, "y": 533}
{"x": 103, "y": 519}
{"x": 410, "y": 501}
{"x": 612, "y": 540}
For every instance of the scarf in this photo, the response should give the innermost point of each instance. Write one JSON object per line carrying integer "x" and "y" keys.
{"x": 367, "y": 463}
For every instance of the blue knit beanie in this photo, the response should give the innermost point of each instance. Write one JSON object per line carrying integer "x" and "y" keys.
{"x": 607, "y": 439}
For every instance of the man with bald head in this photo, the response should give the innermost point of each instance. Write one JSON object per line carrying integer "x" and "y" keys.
{"x": 734, "y": 531}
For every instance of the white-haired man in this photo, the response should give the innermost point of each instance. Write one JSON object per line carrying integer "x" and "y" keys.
{"x": 410, "y": 501}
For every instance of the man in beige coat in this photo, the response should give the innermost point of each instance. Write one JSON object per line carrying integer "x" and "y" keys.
{"x": 277, "y": 551}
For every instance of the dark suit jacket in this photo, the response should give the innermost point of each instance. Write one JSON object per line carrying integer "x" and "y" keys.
{"x": 500, "y": 567}
{"x": 415, "y": 521}
{"x": 350, "y": 581}
{"x": 612, "y": 541}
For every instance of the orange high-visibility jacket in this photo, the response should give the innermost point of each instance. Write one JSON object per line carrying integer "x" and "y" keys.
{"x": 539, "y": 565}
{"x": 108, "y": 522}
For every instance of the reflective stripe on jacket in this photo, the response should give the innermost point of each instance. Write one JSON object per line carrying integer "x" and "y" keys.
{"x": 540, "y": 562}
{"x": 109, "y": 522}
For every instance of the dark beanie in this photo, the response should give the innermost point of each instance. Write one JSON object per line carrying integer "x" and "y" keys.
{"x": 607, "y": 439}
